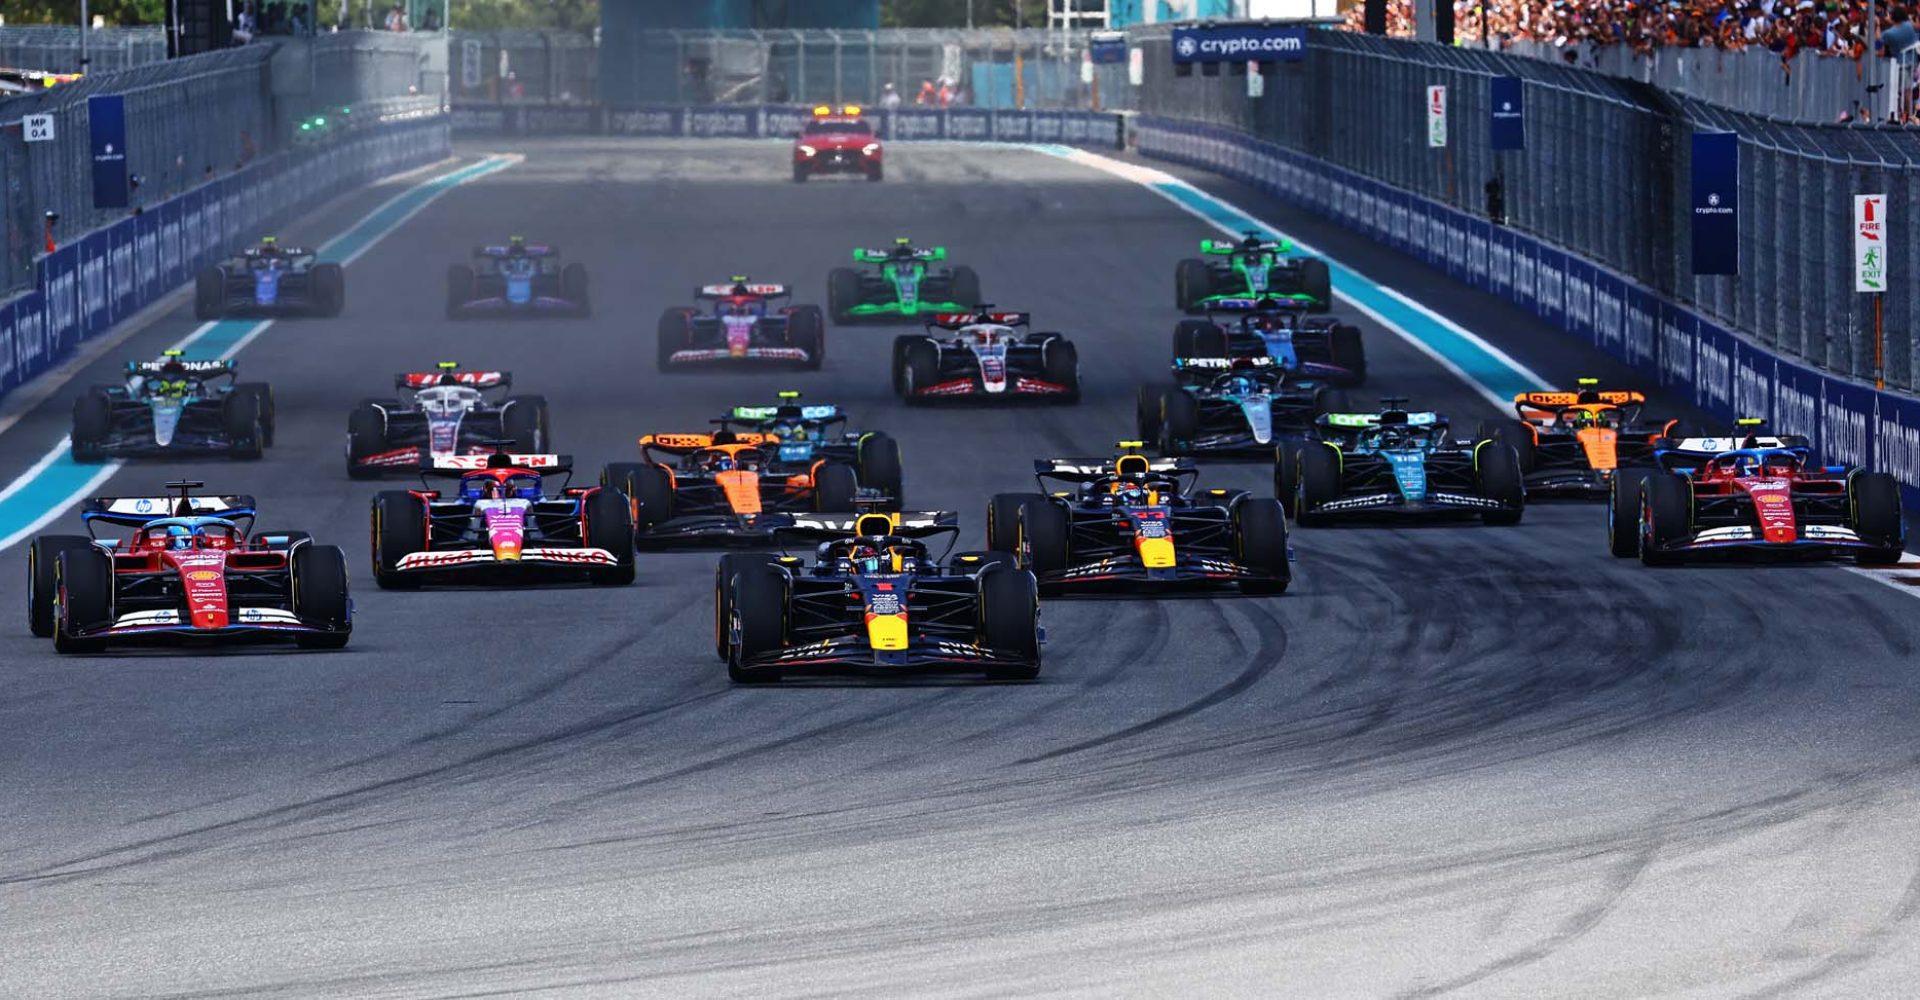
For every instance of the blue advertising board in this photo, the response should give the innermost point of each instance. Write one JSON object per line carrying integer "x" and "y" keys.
{"x": 1508, "y": 127}
{"x": 107, "y": 134}
{"x": 1239, "y": 43}
{"x": 1716, "y": 203}
{"x": 1107, "y": 47}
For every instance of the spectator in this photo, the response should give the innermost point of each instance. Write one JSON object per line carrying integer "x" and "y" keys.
{"x": 297, "y": 23}
{"x": 344, "y": 20}
{"x": 927, "y": 94}
{"x": 246, "y": 25}
{"x": 397, "y": 17}
{"x": 889, "y": 97}
{"x": 431, "y": 22}
{"x": 1899, "y": 37}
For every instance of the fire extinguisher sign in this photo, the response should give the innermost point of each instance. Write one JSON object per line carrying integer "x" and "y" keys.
{"x": 1869, "y": 242}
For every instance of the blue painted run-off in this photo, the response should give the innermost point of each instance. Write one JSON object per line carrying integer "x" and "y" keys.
{"x": 59, "y": 482}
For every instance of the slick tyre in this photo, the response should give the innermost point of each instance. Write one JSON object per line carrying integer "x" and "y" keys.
{"x": 1350, "y": 352}
{"x": 675, "y": 334}
{"x": 1060, "y": 364}
{"x": 1003, "y": 519}
{"x": 1010, "y": 622}
{"x": 1666, "y": 515}
{"x": 807, "y": 330}
{"x": 43, "y": 555}
{"x": 649, "y": 490}
{"x": 1876, "y": 516}
{"x": 241, "y": 421}
{"x": 329, "y": 283}
{"x": 759, "y": 608}
{"x": 1623, "y": 512}
{"x": 92, "y": 422}
{"x": 1498, "y": 474}
{"x": 843, "y": 293}
{"x": 1045, "y": 537}
{"x": 83, "y": 585}
{"x": 609, "y": 526}
{"x": 732, "y": 564}
{"x": 880, "y": 468}
{"x": 399, "y": 530}
{"x": 835, "y": 489}
{"x": 366, "y": 437}
{"x": 1260, "y": 544}
{"x": 1286, "y": 476}
{"x": 1317, "y": 280}
{"x": 262, "y": 395}
{"x": 209, "y": 294}
{"x": 966, "y": 287}
{"x": 523, "y": 420}
{"x": 919, "y": 368}
{"x": 320, "y": 598}
{"x": 1513, "y": 434}
{"x": 1198, "y": 338}
{"x": 1146, "y": 410}
{"x": 1179, "y": 422}
{"x": 1328, "y": 399}
{"x": 573, "y": 288}
{"x": 1319, "y": 482}
{"x": 1191, "y": 283}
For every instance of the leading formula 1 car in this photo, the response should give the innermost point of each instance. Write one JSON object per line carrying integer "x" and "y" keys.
{"x": 449, "y": 414}
{"x": 1135, "y": 521}
{"x": 743, "y": 326}
{"x": 193, "y": 568}
{"x": 1231, "y": 406}
{"x": 809, "y": 431}
{"x": 727, "y": 489}
{"x": 1252, "y": 268}
{"x": 173, "y": 407}
{"x": 1752, "y": 495}
{"x": 1396, "y": 463}
{"x": 518, "y": 279}
{"x": 269, "y": 279}
{"x": 501, "y": 525}
{"x": 985, "y": 358}
{"x": 900, "y": 283}
{"x": 1572, "y": 444}
{"x": 1316, "y": 347}
{"x": 876, "y": 598}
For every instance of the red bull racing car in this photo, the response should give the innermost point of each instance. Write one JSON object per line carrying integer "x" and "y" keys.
{"x": 192, "y": 568}
{"x": 743, "y": 326}
{"x": 985, "y": 357}
{"x": 501, "y": 524}
{"x": 876, "y": 598}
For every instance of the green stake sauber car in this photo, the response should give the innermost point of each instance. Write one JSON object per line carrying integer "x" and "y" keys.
{"x": 900, "y": 282}
{"x": 1252, "y": 268}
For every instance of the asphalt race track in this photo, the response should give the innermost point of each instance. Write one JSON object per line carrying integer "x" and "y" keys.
{"x": 1450, "y": 761}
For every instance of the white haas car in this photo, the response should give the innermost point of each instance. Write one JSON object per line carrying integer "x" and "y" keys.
{"x": 985, "y": 355}
{"x": 451, "y": 413}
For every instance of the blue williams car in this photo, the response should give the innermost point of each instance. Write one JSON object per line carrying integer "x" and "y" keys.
{"x": 816, "y": 432}
{"x": 173, "y": 406}
{"x": 518, "y": 279}
{"x": 1397, "y": 463}
{"x": 270, "y": 280}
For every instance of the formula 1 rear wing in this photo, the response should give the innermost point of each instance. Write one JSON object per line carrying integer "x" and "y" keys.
{"x": 954, "y": 321}
{"x": 740, "y": 287}
{"x": 449, "y": 373}
{"x": 900, "y": 524}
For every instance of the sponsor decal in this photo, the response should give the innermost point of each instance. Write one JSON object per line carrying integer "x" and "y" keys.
{"x": 203, "y": 576}
{"x": 719, "y": 123}
{"x": 1233, "y": 43}
{"x": 1794, "y": 412}
{"x": 1752, "y": 390}
{"x": 1714, "y": 377}
{"x": 643, "y": 122}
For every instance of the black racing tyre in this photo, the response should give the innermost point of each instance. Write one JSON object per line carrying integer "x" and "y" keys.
{"x": 1192, "y": 281}
{"x": 1349, "y": 351}
{"x": 523, "y": 420}
{"x": 875, "y": 173}
{"x": 898, "y": 366}
{"x": 83, "y": 581}
{"x": 329, "y": 284}
{"x": 1876, "y": 515}
{"x": 1060, "y": 364}
{"x": 319, "y": 575}
{"x": 1045, "y": 530}
{"x": 1513, "y": 434}
{"x": 1286, "y": 475}
{"x": 807, "y": 330}
{"x": 1179, "y": 421}
{"x": 1010, "y": 621}
{"x": 209, "y": 294}
{"x": 573, "y": 288}
{"x": 843, "y": 292}
{"x": 42, "y": 555}
{"x": 1003, "y": 519}
{"x": 609, "y": 526}
{"x": 92, "y": 422}
{"x": 1666, "y": 515}
{"x": 1187, "y": 337}
{"x": 919, "y": 367}
{"x": 1146, "y": 410}
{"x": 676, "y": 333}
{"x": 649, "y": 490}
{"x": 799, "y": 173}
{"x": 732, "y": 564}
{"x": 880, "y": 468}
{"x": 966, "y": 287}
{"x": 262, "y": 394}
{"x": 759, "y": 603}
{"x": 366, "y": 436}
{"x": 1497, "y": 470}
{"x": 1316, "y": 280}
{"x": 399, "y": 530}
{"x": 1623, "y": 512}
{"x": 1328, "y": 399}
{"x": 1319, "y": 482}
{"x": 835, "y": 488}
{"x": 459, "y": 288}
{"x": 1260, "y": 543}
{"x": 240, "y": 418}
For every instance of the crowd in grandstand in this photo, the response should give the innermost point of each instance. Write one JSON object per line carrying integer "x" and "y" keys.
{"x": 1787, "y": 27}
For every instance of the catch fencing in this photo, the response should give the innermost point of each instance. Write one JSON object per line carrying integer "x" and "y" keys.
{"x": 56, "y": 49}
{"x": 1604, "y": 174}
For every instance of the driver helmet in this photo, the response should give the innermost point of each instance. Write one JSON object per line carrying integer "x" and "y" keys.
{"x": 739, "y": 309}
{"x": 1130, "y": 494}
{"x": 1240, "y": 385}
{"x": 269, "y": 247}
{"x": 481, "y": 488}
{"x": 720, "y": 462}
{"x": 1782, "y": 463}
{"x": 870, "y": 558}
{"x": 179, "y": 536}
{"x": 516, "y": 244}
{"x": 985, "y": 335}
{"x": 1580, "y": 419}
{"x": 1271, "y": 322}
{"x": 1744, "y": 464}
{"x": 795, "y": 432}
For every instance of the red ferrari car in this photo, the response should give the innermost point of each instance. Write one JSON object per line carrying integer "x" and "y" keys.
{"x": 841, "y": 143}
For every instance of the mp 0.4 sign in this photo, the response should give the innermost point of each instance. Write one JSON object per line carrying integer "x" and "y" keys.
{"x": 38, "y": 128}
